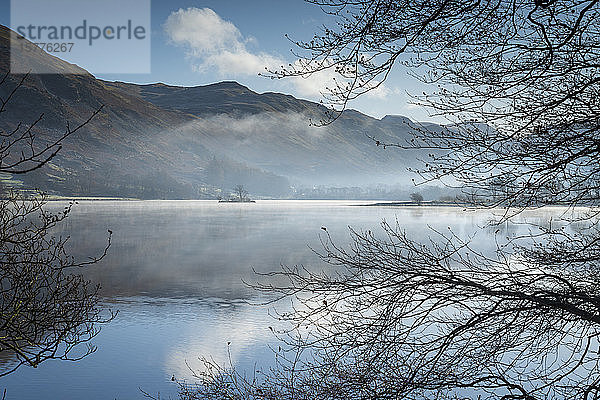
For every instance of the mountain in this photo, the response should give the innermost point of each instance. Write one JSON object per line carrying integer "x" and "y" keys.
{"x": 273, "y": 131}
{"x": 132, "y": 148}
{"x": 224, "y": 97}
{"x": 161, "y": 141}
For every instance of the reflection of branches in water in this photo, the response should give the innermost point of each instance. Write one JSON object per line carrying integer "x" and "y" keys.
{"x": 438, "y": 319}
{"x": 401, "y": 318}
{"x": 46, "y": 308}
{"x": 528, "y": 223}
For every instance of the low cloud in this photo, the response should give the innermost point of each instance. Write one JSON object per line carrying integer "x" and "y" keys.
{"x": 247, "y": 129}
{"x": 315, "y": 84}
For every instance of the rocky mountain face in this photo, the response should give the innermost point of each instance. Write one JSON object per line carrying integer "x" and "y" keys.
{"x": 161, "y": 141}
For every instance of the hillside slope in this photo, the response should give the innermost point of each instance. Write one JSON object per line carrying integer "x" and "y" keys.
{"x": 161, "y": 141}
{"x": 132, "y": 148}
{"x": 273, "y": 131}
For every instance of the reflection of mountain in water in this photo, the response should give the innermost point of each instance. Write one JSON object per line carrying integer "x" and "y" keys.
{"x": 202, "y": 249}
{"x": 182, "y": 249}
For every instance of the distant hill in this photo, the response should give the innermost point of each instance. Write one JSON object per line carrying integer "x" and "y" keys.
{"x": 161, "y": 141}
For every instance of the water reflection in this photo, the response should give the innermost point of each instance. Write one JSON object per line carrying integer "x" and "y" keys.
{"x": 175, "y": 272}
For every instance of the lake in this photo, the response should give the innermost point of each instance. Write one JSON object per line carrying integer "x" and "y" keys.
{"x": 175, "y": 272}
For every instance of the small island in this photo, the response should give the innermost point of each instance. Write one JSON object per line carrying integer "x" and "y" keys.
{"x": 240, "y": 195}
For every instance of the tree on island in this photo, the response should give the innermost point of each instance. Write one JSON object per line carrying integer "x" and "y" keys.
{"x": 47, "y": 309}
{"x": 241, "y": 192}
{"x": 416, "y": 198}
{"x": 439, "y": 319}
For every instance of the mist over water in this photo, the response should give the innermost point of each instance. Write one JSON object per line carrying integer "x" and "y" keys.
{"x": 175, "y": 272}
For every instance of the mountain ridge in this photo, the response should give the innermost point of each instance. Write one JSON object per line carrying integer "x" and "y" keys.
{"x": 164, "y": 141}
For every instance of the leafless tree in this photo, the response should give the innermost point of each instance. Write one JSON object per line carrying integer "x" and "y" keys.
{"x": 401, "y": 319}
{"x": 518, "y": 79}
{"x": 240, "y": 192}
{"x": 416, "y": 198}
{"x": 395, "y": 318}
{"x": 47, "y": 308}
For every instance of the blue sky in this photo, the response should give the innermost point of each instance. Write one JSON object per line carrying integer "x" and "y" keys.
{"x": 205, "y": 41}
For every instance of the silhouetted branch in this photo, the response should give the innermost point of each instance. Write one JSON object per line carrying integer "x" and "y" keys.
{"x": 47, "y": 309}
{"x": 395, "y": 318}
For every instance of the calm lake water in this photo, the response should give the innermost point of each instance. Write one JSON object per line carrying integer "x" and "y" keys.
{"x": 175, "y": 273}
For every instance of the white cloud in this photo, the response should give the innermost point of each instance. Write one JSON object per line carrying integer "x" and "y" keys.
{"x": 213, "y": 43}
{"x": 381, "y": 92}
{"x": 323, "y": 80}
{"x": 202, "y": 30}
{"x": 315, "y": 84}
{"x": 240, "y": 62}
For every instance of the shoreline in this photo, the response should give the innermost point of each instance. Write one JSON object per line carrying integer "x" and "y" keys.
{"x": 359, "y": 203}
{"x": 413, "y": 204}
